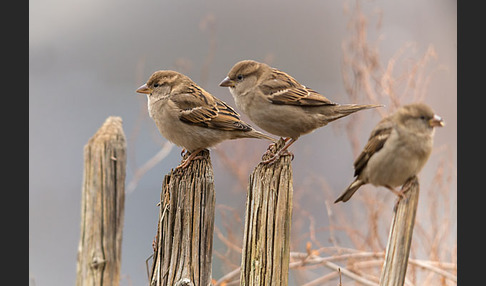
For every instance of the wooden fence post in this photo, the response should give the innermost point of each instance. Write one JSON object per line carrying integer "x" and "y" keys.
{"x": 102, "y": 206}
{"x": 266, "y": 242}
{"x": 184, "y": 239}
{"x": 400, "y": 238}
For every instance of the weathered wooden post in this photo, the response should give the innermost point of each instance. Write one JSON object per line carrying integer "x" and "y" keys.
{"x": 184, "y": 239}
{"x": 102, "y": 206}
{"x": 400, "y": 238}
{"x": 266, "y": 241}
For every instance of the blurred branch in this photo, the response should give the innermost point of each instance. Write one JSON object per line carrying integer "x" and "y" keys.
{"x": 226, "y": 241}
{"x": 319, "y": 281}
{"x": 360, "y": 259}
{"x": 157, "y": 158}
{"x": 428, "y": 265}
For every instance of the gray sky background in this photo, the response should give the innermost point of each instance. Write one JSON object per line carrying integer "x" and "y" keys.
{"x": 87, "y": 58}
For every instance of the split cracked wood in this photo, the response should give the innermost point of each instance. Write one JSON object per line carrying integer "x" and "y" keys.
{"x": 266, "y": 242}
{"x": 184, "y": 239}
{"x": 102, "y": 206}
{"x": 400, "y": 238}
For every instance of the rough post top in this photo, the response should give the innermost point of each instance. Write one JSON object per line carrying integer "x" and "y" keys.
{"x": 204, "y": 154}
{"x": 111, "y": 130}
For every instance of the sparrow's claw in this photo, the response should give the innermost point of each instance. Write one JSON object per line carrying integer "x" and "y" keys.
{"x": 282, "y": 152}
{"x": 400, "y": 194}
{"x": 286, "y": 152}
{"x": 193, "y": 156}
{"x": 271, "y": 160}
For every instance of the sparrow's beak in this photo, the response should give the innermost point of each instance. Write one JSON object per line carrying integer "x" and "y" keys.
{"x": 227, "y": 82}
{"x": 436, "y": 121}
{"x": 144, "y": 89}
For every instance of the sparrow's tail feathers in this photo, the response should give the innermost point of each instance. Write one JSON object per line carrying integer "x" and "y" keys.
{"x": 351, "y": 108}
{"x": 350, "y": 191}
{"x": 260, "y": 135}
{"x": 343, "y": 110}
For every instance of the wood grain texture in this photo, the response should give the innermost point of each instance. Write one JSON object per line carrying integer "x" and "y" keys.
{"x": 266, "y": 242}
{"x": 400, "y": 239}
{"x": 102, "y": 206}
{"x": 184, "y": 239}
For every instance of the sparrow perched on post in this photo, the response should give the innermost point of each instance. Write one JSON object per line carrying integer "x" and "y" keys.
{"x": 397, "y": 149}
{"x": 280, "y": 105}
{"x": 191, "y": 117}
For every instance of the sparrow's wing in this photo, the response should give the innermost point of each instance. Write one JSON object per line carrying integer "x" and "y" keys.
{"x": 228, "y": 119}
{"x": 200, "y": 108}
{"x": 281, "y": 88}
{"x": 377, "y": 139}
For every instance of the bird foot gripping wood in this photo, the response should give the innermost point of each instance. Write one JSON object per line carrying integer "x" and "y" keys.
{"x": 276, "y": 150}
{"x": 275, "y": 157}
{"x": 193, "y": 156}
{"x": 400, "y": 194}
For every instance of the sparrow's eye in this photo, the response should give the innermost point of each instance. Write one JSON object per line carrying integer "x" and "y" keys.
{"x": 423, "y": 117}
{"x": 239, "y": 77}
{"x": 156, "y": 85}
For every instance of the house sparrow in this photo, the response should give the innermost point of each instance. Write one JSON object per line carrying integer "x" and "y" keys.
{"x": 279, "y": 104}
{"x": 191, "y": 117}
{"x": 398, "y": 148}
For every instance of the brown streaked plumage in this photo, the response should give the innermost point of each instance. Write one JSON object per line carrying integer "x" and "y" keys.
{"x": 191, "y": 117}
{"x": 279, "y": 104}
{"x": 397, "y": 149}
